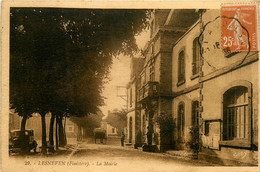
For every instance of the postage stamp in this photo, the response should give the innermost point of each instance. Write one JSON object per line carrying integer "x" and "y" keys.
{"x": 239, "y": 26}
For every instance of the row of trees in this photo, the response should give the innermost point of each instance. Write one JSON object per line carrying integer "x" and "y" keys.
{"x": 118, "y": 119}
{"x": 60, "y": 58}
{"x": 88, "y": 124}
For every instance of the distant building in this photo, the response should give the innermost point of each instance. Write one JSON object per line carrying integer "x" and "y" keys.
{"x": 71, "y": 129}
{"x": 34, "y": 123}
{"x": 14, "y": 121}
{"x": 111, "y": 131}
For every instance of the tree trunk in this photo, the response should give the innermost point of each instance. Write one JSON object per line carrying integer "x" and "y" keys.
{"x": 23, "y": 142}
{"x": 51, "y": 140}
{"x": 61, "y": 134}
{"x": 56, "y": 133}
{"x": 64, "y": 131}
{"x": 44, "y": 143}
{"x": 23, "y": 124}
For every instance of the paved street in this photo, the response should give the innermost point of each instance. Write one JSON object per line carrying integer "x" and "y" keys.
{"x": 108, "y": 157}
{"x": 112, "y": 152}
{"x": 128, "y": 154}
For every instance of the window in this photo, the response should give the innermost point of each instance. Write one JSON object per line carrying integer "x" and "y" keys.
{"x": 70, "y": 129}
{"x": 181, "y": 68}
{"x": 181, "y": 120}
{"x": 130, "y": 97}
{"x": 130, "y": 129}
{"x": 206, "y": 128}
{"x": 195, "y": 113}
{"x": 196, "y": 55}
{"x": 236, "y": 119}
{"x": 113, "y": 130}
{"x": 152, "y": 75}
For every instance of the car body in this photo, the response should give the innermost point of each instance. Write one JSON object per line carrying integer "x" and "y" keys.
{"x": 16, "y": 143}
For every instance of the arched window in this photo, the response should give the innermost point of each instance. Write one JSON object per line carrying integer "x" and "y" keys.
{"x": 131, "y": 98}
{"x": 181, "y": 120}
{"x": 196, "y": 55}
{"x": 195, "y": 113}
{"x": 130, "y": 129}
{"x": 181, "y": 67}
{"x": 236, "y": 120}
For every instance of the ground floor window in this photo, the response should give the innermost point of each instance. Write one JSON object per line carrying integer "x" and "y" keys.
{"x": 130, "y": 129}
{"x": 181, "y": 120}
{"x": 195, "y": 113}
{"x": 236, "y": 114}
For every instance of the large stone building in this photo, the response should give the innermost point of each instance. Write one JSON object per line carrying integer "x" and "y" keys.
{"x": 185, "y": 84}
{"x": 133, "y": 108}
{"x": 229, "y": 99}
{"x": 187, "y": 76}
{"x": 152, "y": 87}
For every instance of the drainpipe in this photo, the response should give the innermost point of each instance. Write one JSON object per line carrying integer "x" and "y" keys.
{"x": 200, "y": 85}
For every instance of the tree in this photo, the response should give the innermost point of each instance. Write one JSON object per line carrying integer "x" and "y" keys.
{"x": 61, "y": 57}
{"x": 117, "y": 119}
{"x": 89, "y": 122}
{"x": 166, "y": 125}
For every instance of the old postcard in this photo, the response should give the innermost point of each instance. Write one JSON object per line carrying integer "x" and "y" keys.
{"x": 129, "y": 86}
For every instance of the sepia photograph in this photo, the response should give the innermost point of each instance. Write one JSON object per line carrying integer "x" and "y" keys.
{"x": 129, "y": 87}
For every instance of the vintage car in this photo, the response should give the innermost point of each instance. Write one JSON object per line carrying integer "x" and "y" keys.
{"x": 100, "y": 134}
{"x": 19, "y": 142}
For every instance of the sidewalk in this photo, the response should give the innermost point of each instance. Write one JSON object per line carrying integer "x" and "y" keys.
{"x": 207, "y": 158}
{"x": 204, "y": 158}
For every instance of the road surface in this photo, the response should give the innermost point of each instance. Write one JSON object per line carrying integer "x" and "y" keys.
{"x": 88, "y": 156}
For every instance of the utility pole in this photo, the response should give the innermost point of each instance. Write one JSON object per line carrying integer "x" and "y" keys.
{"x": 121, "y": 92}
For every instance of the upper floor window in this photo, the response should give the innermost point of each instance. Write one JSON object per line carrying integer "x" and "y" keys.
{"x": 196, "y": 55}
{"x": 181, "y": 67}
{"x": 131, "y": 98}
{"x": 236, "y": 119}
{"x": 152, "y": 75}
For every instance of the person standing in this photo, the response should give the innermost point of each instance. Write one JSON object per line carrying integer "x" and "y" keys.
{"x": 122, "y": 139}
{"x": 149, "y": 136}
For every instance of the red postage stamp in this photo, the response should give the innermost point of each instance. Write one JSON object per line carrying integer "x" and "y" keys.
{"x": 239, "y": 28}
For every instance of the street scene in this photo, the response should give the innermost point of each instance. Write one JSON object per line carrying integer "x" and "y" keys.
{"x": 133, "y": 89}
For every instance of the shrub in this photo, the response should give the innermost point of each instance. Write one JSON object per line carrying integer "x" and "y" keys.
{"x": 194, "y": 143}
{"x": 165, "y": 122}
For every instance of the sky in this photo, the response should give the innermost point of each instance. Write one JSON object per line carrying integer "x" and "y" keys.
{"x": 120, "y": 76}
